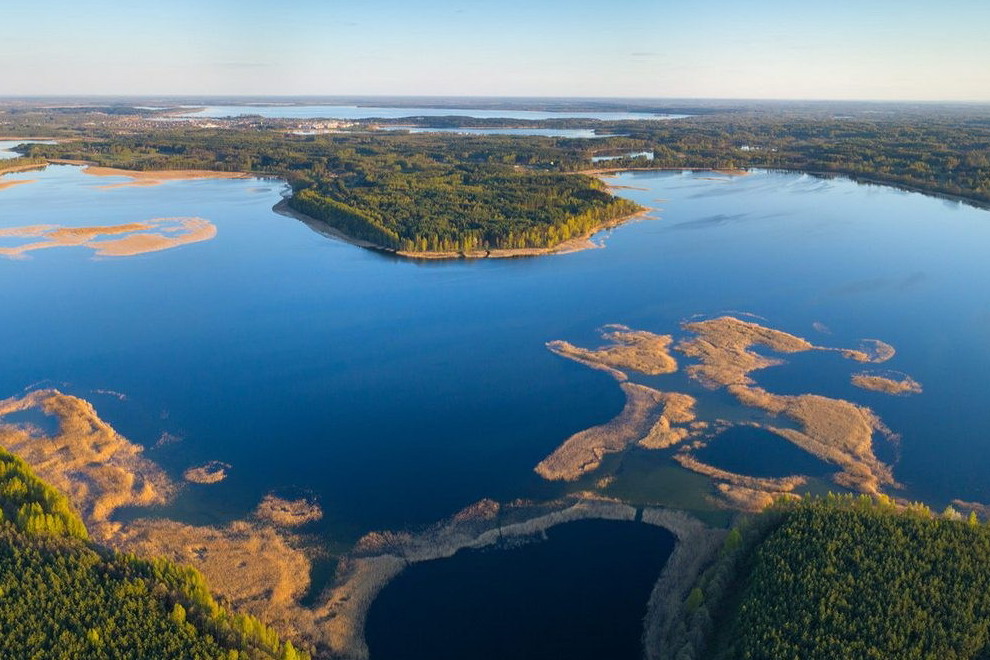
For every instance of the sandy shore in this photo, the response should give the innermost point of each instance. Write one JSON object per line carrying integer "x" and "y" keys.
{"x": 10, "y": 184}
{"x": 21, "y": 168}
{"x": 130, "y": 239}
{"x": 154, "y": 178}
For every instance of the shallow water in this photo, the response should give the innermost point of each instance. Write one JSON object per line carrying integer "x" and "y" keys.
{"x": 398, "y": 392}
{"x": 581, "y": 595}
{"x": 7, "y": 145}
{"x": 371, "y": 112}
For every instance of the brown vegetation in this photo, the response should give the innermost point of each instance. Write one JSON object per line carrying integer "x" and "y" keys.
{"x": 253, "y": 566}
{"x": 834, "y": 430}
{"x": 644, "y": 419}
{"x": 97, "y": 468}
{"x": 722, "y": 346}
{"x": 637, "y": 350}
{"x": 905, "y": 385}
{"x": 209, "y": 473}
{"x": 288, "y": 513}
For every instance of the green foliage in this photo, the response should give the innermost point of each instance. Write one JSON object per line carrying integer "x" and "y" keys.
{"x": 63, "y": 597}
{"x": 404, "y": 192}
{"x": 844, "y": 577}
{"x": 33, "y": 506}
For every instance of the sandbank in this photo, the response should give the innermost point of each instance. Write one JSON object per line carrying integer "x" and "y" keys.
{"x": 10, "y": 184}
{"x": 135, "y": 237}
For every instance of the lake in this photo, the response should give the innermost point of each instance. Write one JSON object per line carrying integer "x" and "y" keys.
{"x": 541, "y": 132}
{"x": 372, "y": 112}
{"x": 581, "y": 594}
{"x": 7, "y": 145}
{"x": 397, "y": 392}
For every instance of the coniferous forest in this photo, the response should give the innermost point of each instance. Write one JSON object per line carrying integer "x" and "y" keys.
{"x": 843, "y": 577}
{"x": 64, "y": 597}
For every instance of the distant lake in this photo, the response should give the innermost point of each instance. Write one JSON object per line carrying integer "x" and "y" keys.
{"x": 397, "y": 392}
{"x": 543, "y": 132}
{"x": 7, "y": 145}
{"x": 371, "y": 112}
{"x": 648, "y": 155}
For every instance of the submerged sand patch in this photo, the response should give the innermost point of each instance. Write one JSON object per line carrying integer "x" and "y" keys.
{"x": 10, "y": 184}
{"x": 154, "y": 178}
{"x": 134, "y": 238}
{"x": 288, "y": 513}
{"x": 877, "y": 383}
{"x": 208, "y": 473}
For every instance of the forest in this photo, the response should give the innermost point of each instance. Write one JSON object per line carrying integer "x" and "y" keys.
{"x": 428, "y": 192}
{"x": 64, "y": 597}
{"x": 843, "y": 577}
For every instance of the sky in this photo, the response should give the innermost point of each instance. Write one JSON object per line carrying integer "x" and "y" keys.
{"x": 772, "y": 49}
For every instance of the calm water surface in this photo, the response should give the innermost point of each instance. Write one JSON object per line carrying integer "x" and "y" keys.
{"x": 7, "y": 145}
{"x": 371, "y": 112}
{"x": 398, "y": 392}
{"x": 542, "y": 132}
{"x": 580, "y": 595}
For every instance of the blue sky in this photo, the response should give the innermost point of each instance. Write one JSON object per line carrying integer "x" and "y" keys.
{"x": 870, "y": 49}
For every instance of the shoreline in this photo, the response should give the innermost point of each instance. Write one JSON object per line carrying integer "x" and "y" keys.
{"x": 22, "y": 168}
{"x": 363, "y": 577}
{"x": 569, "y": 246}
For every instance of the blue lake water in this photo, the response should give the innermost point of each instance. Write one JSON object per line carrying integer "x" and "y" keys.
{"x": 397, "y": 392}
{"x": 581, "y": 595}
{"x": 541, "y": 132}
{"x": 7, "y": 145}
{"x": 371, "y": 112}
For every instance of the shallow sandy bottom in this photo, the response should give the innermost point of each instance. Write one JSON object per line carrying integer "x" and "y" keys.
{"x": 132, "y": 238}
{"x": 10, "y": 184}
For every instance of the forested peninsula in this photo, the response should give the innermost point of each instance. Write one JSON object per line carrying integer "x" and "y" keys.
{"x": 445, "y": 194}
{"x": 841, "y": 577}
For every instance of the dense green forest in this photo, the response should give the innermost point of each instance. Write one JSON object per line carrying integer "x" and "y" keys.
{"x": 63, "y": 597}
{"x": 844, "y": 577}
{"x": 397, "y": 191}
{"x": 425, "y": 192}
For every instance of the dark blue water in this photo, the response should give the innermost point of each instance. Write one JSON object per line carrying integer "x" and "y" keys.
{"x": 398, "y": 392}
{"x": 759, "y": 453}
{"x": 579, "y": 595}
{"x": 370, "y": 112}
